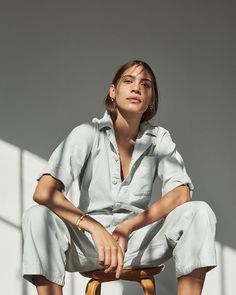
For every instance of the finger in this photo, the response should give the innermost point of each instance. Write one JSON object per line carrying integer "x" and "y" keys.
{"x": 120, "y": 263}
{"x": 107, "y": 253}
{"x": 101, "y": 256}
{"x": 114, "y": 259}
{"x": 123, "y": 245}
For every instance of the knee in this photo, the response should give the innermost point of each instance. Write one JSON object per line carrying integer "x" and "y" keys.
{"x": 40, "y": 224}
{"x": 202, "y": 209}
{"x": 35, "y": 215}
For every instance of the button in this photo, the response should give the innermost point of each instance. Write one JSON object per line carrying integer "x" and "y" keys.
{"x": 118, "y": 204}
{"x": 114, "y": 181}
{"x": 116, "y": 158}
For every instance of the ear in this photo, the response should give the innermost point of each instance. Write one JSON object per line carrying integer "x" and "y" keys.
{"x": 112, "y": 91}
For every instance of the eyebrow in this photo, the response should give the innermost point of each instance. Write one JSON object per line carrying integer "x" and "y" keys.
{"x": 131, "y": 76}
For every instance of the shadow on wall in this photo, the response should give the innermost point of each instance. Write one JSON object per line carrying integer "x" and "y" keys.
{"x": 19, "y": 171}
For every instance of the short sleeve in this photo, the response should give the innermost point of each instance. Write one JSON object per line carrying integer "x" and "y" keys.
{"x": 171, "y": 168}
{"x": 67, "y": 160}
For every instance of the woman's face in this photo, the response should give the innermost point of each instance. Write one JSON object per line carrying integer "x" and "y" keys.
{"x": 134, "y": 91}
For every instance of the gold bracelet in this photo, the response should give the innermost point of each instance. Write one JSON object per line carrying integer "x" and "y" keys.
{"x": 79, "y": 220}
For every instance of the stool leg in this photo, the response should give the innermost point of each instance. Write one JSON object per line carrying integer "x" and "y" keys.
{"x": 93, "y": 287}
{"x": 148, "y": 285}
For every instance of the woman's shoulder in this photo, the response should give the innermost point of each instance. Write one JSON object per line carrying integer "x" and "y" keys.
{"x": 84, "y": 131}
{"x": 156, "y": 129}
{"x": 161, "y": 137}
{"x": 83, "y": 128}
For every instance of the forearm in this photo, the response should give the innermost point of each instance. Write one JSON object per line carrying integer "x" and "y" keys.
{"x": 60, "y": 205}
{"x": 159, "y": 209}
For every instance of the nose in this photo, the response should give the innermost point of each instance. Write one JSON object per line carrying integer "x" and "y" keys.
{"x": 136, "y": 87}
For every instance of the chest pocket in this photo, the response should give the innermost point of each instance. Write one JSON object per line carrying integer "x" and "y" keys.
{"x": 143, "y": 177}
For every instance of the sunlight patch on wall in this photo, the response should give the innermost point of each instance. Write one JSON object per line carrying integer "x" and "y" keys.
{"x": 10, "y": 182}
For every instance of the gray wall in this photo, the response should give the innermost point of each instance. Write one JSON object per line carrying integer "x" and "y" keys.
{"x": 57, "y": 59}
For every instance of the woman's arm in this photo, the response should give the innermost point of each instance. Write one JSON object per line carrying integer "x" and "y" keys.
{"x": 158, "y": 210}
{"x": 48, "y": 193}
{"x": 161, "y": 208}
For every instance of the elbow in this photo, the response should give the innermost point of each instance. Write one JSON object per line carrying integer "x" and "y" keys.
{"x": 37, "y": 199}
{"x": 41, "y": 196}
{"x": 184, "y": 195}
{"x": 46, "y": 189}
{"x": 185, "y": 198}
{"x": 40, "y": 199}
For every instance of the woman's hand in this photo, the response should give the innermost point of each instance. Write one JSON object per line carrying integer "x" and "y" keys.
{"x": 121, "y": 235}
{"x": 109, "y": 252}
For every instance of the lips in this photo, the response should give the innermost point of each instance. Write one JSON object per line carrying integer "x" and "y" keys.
{"x": 134, "y": 99}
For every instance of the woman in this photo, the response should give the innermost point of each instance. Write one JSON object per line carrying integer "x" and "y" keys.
{"x": 116, "y": 160}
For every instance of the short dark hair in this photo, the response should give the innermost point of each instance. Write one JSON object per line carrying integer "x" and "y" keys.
{"x": 149, "y": 113}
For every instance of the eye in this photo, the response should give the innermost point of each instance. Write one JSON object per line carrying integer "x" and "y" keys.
{"x": 127, "y": 80}
{"x": 146, "y": 84}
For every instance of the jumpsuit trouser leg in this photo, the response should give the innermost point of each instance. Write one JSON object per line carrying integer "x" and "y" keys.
{"x": 46, "y": 240}
{"x": 187, "y": 234}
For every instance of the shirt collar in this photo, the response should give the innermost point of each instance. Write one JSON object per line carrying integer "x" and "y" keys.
{"x": 106, "y": 121}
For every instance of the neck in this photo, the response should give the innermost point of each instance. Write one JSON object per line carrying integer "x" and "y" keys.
{"x": 127, "y": 126}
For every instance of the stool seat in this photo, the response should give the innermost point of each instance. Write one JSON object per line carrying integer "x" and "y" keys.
{"x": 144, "y": 276}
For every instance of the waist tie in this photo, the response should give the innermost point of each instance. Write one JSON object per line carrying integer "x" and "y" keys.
{"x": 118, "y": 207}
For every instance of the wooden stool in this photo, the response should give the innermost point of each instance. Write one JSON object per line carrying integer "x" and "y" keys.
{"x": 144, "y": 276}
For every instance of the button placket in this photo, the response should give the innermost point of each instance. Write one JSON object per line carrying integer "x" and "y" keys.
{"x": 115, "y": 181}
{"x": 115, "y": 166}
